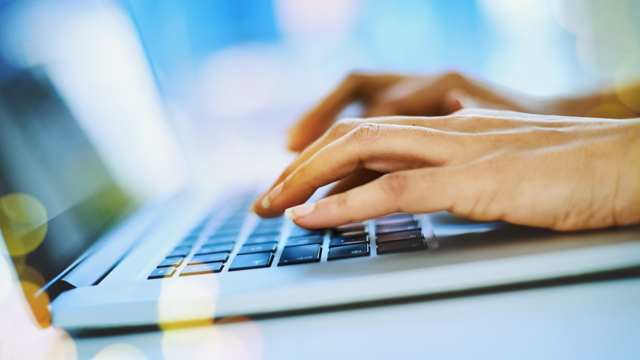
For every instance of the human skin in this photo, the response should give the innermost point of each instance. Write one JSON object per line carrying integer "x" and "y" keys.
{"x": 559, "y": 172}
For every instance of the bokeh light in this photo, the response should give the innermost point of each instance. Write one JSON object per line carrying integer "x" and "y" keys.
{"x": 186, "y": 302}
{"x": 23, "y": 221}
{"x": 120, "y": 351}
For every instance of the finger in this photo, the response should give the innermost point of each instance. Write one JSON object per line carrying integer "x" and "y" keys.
{"x": 381, "y": 148}
{"x": 414, "y": 191}
{"x": 320, "y": 118}
{"x": 356, "y": 179}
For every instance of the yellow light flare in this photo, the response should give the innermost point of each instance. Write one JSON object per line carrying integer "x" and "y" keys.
{"x": 610, "y": 111}
{"x": 23, "y": 221}
{"x": 629, "y": 72}
{"x": 186, "y": 302}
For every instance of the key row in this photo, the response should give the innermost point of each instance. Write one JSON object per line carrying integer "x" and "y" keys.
{"x": 394, "y": 233}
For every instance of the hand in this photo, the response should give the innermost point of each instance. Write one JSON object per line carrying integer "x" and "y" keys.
{"x": 386, "y": 95}
{"x": 556, "y": 172}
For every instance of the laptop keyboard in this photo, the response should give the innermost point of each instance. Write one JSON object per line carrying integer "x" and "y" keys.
{"x": 208, "y": 250}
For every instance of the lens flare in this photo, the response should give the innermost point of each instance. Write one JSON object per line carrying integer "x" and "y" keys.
{"x": 186, "y": 302}
{"x": 23, "y": 221}
{"x": 237, "y": 338}
{"x": 120, "y": 351}
{"x": 628, "y": 71}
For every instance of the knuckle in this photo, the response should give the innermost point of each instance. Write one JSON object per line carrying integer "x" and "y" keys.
{"x": 454, "y": 77}
{"x": 344, "y": 126}
{"x": 367, "y": 133}
{"x": 393, "y": 185}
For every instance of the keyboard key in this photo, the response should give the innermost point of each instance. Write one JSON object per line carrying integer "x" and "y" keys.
{"x": 385, "y": 229}
{"x": 209, "y": 258}
{"x": 226, "y": 233}
{"x": 162, "y": 272}
{"x": 341, "y": 240}
{"x": 180, "y": 251}
{"x": 221, "y": 240}
{"x": 261, "y": 239}
{"x": 300, "y": 254}
{"x": 348, "y": 251}
{"x": 355, "y": 226}
{"x": 210, "y": 249}
{"x": 298, "y": 231}
{"x": 197, "y": 230}
{"x": 394, "y": 219}
{"x": 250, "y": 249}
{"x": 352, "y": 233}
{"x": 402, "y": 245}
{"x": 189, "y": 241}
{"x": 353, "y": 229}
{"x": 306, "y": 240}
{"x": 404, "y": 235}
{"x": 252, "y": 261}
{"x": 201, "y": 269}
{"x": 265, "y": 231}
{"x": 173, "y": 261}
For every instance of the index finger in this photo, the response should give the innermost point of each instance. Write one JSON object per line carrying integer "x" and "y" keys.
{"x": 320, "y": 118}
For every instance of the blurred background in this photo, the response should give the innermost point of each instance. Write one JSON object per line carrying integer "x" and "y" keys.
{"x": 229, "y": 76}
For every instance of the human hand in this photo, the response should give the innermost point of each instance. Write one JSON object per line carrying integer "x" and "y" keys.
{"x": 555, "y": 172}
{"x": 387, "y": 95}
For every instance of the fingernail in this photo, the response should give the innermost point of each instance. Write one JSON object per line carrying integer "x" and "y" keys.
{"x": 266, "y": 202}
{"x": 299, "y": 211}
{"x": 252, "y": 209}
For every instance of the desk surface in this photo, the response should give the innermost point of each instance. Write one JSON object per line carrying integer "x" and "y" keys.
{"x": 582, "y": 321}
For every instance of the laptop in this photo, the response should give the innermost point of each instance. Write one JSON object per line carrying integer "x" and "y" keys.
{"x": 99, "y": 241}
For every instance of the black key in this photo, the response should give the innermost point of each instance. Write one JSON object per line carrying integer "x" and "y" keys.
{"x": 352, "y": 233}
{"x": 348, "y": 251}
{"x": 306, "y": 240}
{"x": 300, "y": 254}
{"x": 298, "y": 231}
{"x": 355, "y": 226}
{"x": 385, "y": 229}
{"x": 180, "y": 251}
{"x": 402, "y": 245}
{"x": 201, "y": 269}
{"x": 204, "y": 259}
{"x": 173, "y": 261}
{"x": 261, "y": 239}
{"x": 352, "y": 229}
{"x": 250, "y": 249}
{"x": 162, "y": 272}
{"x": 340, "y": 240}
{"x": 394, "y": 219}
{"x": 210, "y": 249}
{"x": 404, "y": 235}
{"x": 252, "y": 261}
